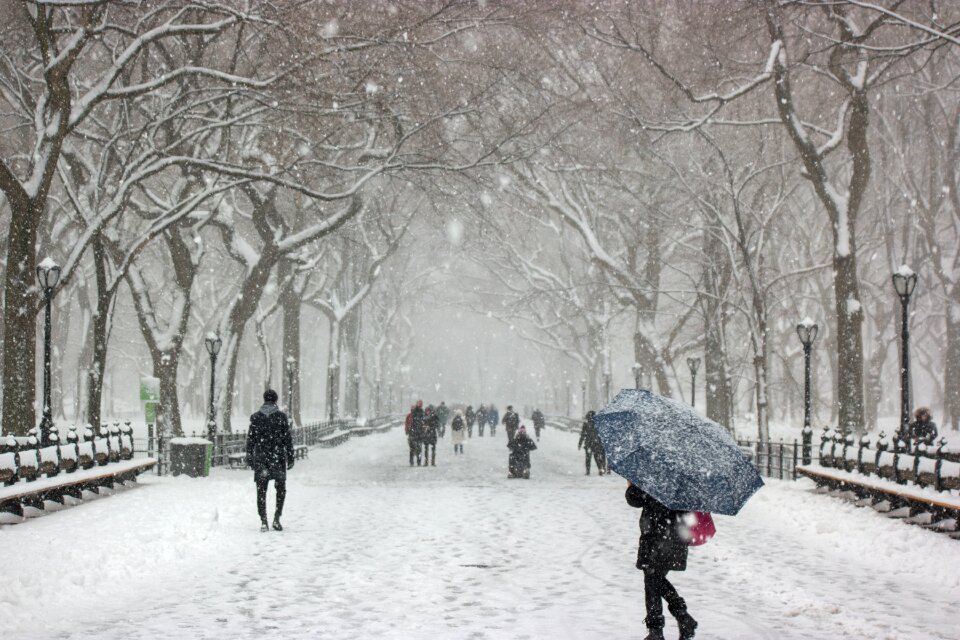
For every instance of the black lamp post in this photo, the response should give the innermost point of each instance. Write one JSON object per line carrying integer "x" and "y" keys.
{"x": 379, "y": 383}
{"x": 48, "y": 272}
{"x": 291, "y": 372}
{"x": 606, "y": 387}
{"x": 904, "y": 281}
{"x": 569, "y": 398}
{"x": 694, "y": 364}
{"x": 583, "y": 395}
{"x": 213, "y": 344}
{"x": 807, "y": 331}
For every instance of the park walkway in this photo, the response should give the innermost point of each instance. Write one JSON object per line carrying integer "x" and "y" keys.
{"x": 376, "y": 549}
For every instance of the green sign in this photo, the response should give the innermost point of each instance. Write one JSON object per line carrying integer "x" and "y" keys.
{"x": 149, "y": 389}
{"x": 150, "y": 412}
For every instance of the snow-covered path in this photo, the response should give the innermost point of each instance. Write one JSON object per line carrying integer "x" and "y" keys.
{"x": 376, "y": 549}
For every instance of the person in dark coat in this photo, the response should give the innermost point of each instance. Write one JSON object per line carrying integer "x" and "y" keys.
{"x": 270, "y": 455}
{"x": 493, "y": 419}
{"x": 415, "y": 435}
{"x": 481, "y": 421}
{"x": 922, "y": 430}
{"x": 519, "y": 461}
{"x": 511, "y": 421}
{"x": 469, "y": 417}
{"x": 590, "y": 442}
{"x": 443, "y": 412}
{"x": 662, "y": 548}
{"x": 538, "y": 422}
{"x": 431, "y": 428}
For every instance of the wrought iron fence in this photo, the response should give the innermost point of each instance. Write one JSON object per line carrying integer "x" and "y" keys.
{"x": 323, "y": 433}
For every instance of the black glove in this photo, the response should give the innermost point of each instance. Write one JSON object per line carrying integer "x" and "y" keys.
{"x": 290, "y": 464}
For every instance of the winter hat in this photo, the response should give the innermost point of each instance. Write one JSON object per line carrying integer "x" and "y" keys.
{"x": 523, "y": 428}
{"x": 921, "y": 411}
{"x": 270, "y": 395}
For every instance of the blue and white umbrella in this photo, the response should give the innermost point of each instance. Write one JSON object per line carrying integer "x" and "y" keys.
{"x": 683, "y": 460}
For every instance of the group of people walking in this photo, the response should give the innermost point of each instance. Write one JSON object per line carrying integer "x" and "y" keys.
{"x": 423, "y": 426}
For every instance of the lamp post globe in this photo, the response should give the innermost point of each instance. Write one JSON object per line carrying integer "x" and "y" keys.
{"x": 213, "y": 344}
{"x": 694, "y": 365}
{"x": 48, "y": 273}
{"x": 904, "y": 282}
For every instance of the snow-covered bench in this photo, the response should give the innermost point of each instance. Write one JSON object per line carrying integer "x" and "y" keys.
{"x": 32, "y": 475}
{"x": 239, "y": 460}
{"x": 922, "y": 481}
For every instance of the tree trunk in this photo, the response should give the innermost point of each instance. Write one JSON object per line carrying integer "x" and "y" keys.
{"x": 350, "y": 335}
{"x": 849, "y": 344}
{"x": 19, "y": 320}
{"x": 291, "y": 308}
{"x": 165, "y": 365}
{"x": 951, "y": 374}
{"x": 333, "y": 371}
{"x": 99, "y": 335}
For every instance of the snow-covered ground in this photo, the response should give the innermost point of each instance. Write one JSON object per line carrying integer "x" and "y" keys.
{"x": 376, "y": 549}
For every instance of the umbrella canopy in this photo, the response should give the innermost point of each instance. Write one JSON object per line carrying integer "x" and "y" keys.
{"x": 682, "y": 459}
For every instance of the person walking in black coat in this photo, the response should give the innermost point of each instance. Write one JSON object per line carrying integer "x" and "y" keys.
{"x": 519, "y": 460}
{"x": 662, "y": 548}
{"x": 511, "y": 421}
{"x": 592, "y": 447}
{"x": 493, "y": 419}
{"x": 270, "y": 455}
{"x": 415, "y": 435}
{"x": 431, "y": 428}
{"x": 538, "y": 422}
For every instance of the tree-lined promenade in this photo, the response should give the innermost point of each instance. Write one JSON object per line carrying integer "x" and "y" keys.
{"x": 618, "y": 198}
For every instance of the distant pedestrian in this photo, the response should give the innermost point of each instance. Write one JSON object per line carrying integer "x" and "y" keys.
{"x": 443, "y": 413}
{"x": 493, "y": 419}
{"x": 519, "y": 461}
{"x": 481, "y": 421}
{"x": 538, "y": 422}
{"x": 270, "y": 455}
{"x": 469, "y": 417}
{"x": 662, "y": 548}
{"x": 415, "y": 435}
{"x": 431, "y": 429}
{"x": 511, "y": 421}
{"x": 458, "y": 431}
{"x": 922, "y": 430}
{"x": 590, "y": 442}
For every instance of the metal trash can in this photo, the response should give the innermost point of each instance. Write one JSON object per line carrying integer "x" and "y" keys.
{"x": 190, "y": 456}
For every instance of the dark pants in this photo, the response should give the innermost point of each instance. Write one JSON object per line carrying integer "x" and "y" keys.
{"x": 599, "y": 457}
{"x": 493, "y": 430}
{"x": 480, "y": 429}
{"x": 430, "y": 454}
{"x": 458, "y": 448}
{"x": 414, "y": 450}
{"x": 281, "y": 488}
{"x": 656, "y": 589}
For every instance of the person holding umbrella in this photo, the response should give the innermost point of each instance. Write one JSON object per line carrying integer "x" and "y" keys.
{"x": 662, "y": 548}
{"x": 677, "y": 462}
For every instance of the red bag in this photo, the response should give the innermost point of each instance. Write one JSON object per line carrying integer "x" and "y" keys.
{"x": 701, "y": 529}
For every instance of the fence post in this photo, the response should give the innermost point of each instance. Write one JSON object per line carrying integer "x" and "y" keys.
{"x": 781, "y": 458}
{"x": 807, "y": 445}
{"x": 795, "y": 451}
{"x": 769, "y": 460}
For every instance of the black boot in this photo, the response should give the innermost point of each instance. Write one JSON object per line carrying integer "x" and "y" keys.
{"x": 688, "y": 626}
{"x": 654, "y": 627}
{"x": 264, "y": 526}
{"x": 276, "y": 524}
